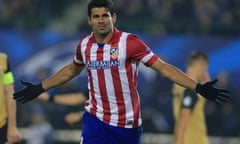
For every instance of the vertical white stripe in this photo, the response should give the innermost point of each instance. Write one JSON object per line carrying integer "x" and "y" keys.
{"x": 81, "y": 140}
{"x": 110, "y": 88}
{"x": 134, "y": 69}
{"x": 140, "y": 119}
{"x": 93, "y": 57}
{"x": 84, "y": 47}
{"x": 124, "y": 78}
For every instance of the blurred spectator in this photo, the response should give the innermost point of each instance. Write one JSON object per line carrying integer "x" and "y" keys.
{"x": 205, "y": 11}
{"x": 40, "y": 131}
{"x": 74, "y": 117}
{"x": 228, "y": 118}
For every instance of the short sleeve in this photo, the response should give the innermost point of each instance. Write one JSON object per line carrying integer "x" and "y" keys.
{"x": 8, "y": 75}
{"x": 139, "y": 51}
{"x": 78, "y": 59}
{"x": 189, "y": 99}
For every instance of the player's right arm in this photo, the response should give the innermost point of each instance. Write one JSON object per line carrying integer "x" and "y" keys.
{"x": 66, "y": 73}
{"x": 187, "y": 105}
{"x": 31, "y": 91}
{"x": 62, "y": 76}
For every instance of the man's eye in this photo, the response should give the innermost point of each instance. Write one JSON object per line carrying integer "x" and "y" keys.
{"x": 95, "y": 16}
{"x": 105, "y": 15}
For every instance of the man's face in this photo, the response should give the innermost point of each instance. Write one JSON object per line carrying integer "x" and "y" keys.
{"x": 201, "y": 68}
{"x": 101, "y": 20}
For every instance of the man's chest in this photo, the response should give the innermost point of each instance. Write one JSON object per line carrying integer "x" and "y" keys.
{"x": 104, "y": 56}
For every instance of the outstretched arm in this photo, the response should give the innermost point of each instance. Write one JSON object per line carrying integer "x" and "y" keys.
{"x": 62, "y": 76}
{"x": 32, "y": 91}
{"x": 207, "y": 89}
{"x": 174, "y": 74}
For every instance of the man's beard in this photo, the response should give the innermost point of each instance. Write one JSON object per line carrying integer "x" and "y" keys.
{"x": 105, "y": 31}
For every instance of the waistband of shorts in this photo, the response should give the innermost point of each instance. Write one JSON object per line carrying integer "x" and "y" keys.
{"x": 90, "y": 115}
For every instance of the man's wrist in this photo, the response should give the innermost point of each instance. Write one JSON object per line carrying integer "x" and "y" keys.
{"x": 40, "y": 88}
{"x": 11, "y": 124}
{"x": 198, "y": 88}
{"x": 51, "y": 99}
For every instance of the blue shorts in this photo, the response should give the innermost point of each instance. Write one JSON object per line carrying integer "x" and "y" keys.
{"x": 95, "y": 131}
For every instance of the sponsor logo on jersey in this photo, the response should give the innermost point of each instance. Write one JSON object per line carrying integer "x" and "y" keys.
{"x": 103, "y": 64}
{"x": 114, "y": 53}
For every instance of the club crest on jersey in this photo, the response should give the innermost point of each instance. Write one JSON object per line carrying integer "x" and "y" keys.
{"x": 114, "y": 53}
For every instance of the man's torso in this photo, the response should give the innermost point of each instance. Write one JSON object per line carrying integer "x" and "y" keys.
{"x": 112, "y": 72}
{"x": 196, "y": 128}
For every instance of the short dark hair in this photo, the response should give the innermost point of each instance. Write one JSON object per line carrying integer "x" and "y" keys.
{"x": 109, "y": 4}
{"x": 195, "y": 56}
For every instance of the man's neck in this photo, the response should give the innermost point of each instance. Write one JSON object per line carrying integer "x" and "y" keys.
{"x": 104, "y": 38}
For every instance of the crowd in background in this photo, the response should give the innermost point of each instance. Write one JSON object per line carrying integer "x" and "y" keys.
{"x": 159, "y": 16}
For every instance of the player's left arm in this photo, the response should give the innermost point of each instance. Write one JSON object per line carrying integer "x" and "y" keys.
{"x": 174, "y": 74}
{"x": 141, "y": 52}
{"x": 187, "y": 105}
{"x": 13, "y": 134}
{"x": 207, "y": 89}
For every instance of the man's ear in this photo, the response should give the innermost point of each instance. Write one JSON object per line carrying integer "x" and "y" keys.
{"x": 114, "y": 18}
{"x": 89, "y": 21}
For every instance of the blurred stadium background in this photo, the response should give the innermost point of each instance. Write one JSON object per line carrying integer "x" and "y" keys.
{"x": 40, "y": 36}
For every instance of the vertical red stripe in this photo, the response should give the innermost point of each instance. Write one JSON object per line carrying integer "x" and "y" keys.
{"x": 132, "y": 84}
{"x": 118, "y": 90}
{"x": 103, "y": 90}
{"x": 119, "y": 97}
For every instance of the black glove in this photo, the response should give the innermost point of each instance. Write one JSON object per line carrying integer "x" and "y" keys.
{"x": 29, "y": 93}
{"x": 208, "y": 91}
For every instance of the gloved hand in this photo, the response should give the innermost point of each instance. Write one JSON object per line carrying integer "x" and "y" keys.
{"x": 29, "y": 93}
{"x": 215, "y": 94}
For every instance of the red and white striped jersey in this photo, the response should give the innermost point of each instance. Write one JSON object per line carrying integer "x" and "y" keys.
{"x": 112, "y": 77}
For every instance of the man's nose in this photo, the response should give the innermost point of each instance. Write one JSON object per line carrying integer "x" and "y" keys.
{"x": 100, "y": 20}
